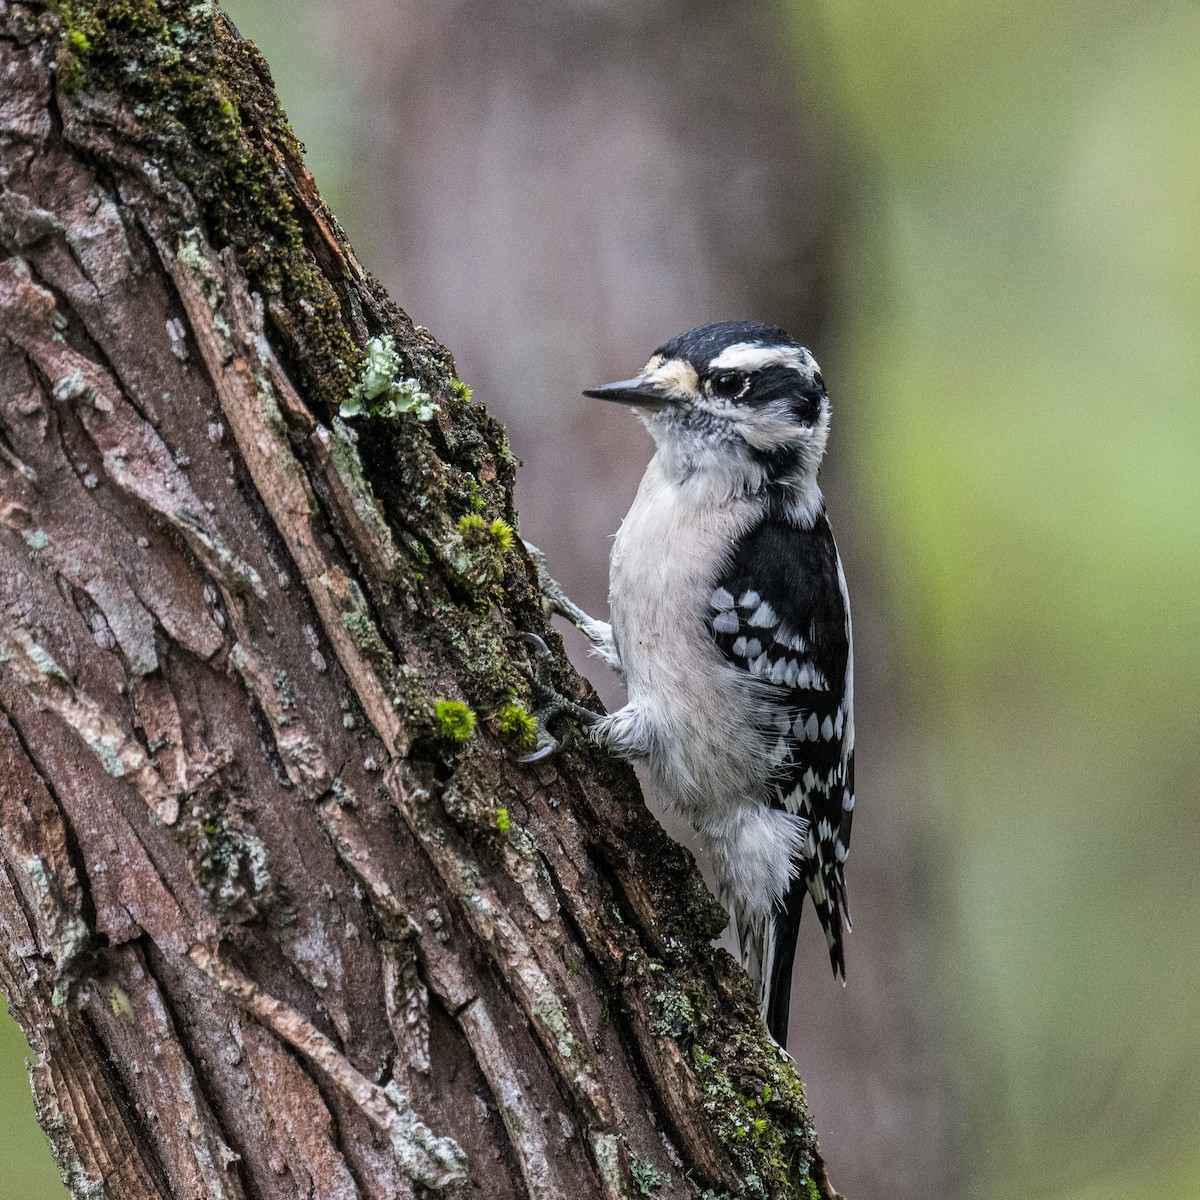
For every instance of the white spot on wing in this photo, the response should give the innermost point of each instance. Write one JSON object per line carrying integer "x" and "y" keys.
{"x": 721, "y": 599}
{"x": 810, "y": 728}
{"x": 812, "y": 679}
{"x": 726, "y": 622}
{"x": 764, "y": 617}
{"x": 750, "y": 599}
{"x": 827, "y": 729}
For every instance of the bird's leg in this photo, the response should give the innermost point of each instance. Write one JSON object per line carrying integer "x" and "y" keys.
{"x": 553, "y": 597}
{"x": 556, "y": 600}
{"x": 551, "y": 704}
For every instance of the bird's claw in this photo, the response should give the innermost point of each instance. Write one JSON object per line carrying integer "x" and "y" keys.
{"x": 551, "y": 704}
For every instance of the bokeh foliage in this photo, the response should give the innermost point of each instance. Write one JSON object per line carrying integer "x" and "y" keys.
{"x": 1021, "y": 343}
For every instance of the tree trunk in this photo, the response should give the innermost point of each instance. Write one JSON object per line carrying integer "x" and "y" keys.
{"x": 282, "y": 916}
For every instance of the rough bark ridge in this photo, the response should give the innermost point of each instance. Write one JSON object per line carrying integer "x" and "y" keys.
{"x": 281, "y": 917}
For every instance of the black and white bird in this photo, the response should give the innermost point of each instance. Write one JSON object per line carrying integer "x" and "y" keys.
{"x": 730, "y": 623}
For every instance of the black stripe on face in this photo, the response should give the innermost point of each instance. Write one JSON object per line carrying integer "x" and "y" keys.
{"x": 803, "y": 393}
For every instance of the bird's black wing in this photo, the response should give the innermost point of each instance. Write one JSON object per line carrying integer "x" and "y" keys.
{"x": 781, "y": 613}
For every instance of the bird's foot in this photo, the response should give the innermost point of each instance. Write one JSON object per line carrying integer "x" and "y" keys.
{"x": 552, "y": 704}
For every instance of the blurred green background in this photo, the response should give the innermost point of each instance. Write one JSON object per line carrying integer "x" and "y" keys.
{"x": 1016, "y": 340}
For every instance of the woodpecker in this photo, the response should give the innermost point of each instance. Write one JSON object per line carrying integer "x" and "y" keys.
{"x": 730, "y": 623}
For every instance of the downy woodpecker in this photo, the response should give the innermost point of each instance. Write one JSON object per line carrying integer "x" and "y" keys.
{"x": 730, "y": 623}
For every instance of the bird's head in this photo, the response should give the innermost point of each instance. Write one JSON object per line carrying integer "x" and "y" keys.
{"x": 740, "y": 404}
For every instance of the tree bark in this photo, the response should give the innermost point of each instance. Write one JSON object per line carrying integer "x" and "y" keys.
{"x": 282, "y": 916}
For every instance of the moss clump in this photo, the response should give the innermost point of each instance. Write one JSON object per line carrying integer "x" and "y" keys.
{"x": 473, "y": 555}
{"x": 502, "y": 822}
{"x": 460, "y": 391}
{"x": 501, "y": 532}
{"x": 455, "y": 720}
{"x": 516, "y": 724}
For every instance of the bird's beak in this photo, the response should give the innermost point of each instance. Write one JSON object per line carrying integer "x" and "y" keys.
{"x": 638, "y": 393}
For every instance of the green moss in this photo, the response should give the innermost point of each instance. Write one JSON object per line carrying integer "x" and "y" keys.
{"x": 516, "y": 724}
{"x": 475, "y": 496}
{"x": 455, "y": 720}
{"x": 472, "y": 556}
{"x": 502, "y": 820}
{"x": 460, "y": 391}
{"x": 501, "y": 533}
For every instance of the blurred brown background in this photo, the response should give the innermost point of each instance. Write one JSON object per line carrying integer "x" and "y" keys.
{"x": 986, "y": 223}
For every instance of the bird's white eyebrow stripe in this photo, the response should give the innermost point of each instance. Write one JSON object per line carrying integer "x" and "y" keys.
{"x": 747, "y": 356}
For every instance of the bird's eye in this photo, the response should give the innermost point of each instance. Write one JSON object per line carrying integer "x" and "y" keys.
{"x": 729, "y": 384}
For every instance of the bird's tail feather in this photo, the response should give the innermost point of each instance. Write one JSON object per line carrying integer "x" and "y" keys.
{"x": 773, "y": 952}
{"x": 776, "y": 993}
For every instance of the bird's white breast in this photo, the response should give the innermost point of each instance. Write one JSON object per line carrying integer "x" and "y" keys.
{"x": 690, "y": 710}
